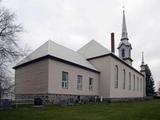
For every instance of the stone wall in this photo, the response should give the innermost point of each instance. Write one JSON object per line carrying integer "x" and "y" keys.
{"x": 56, "y": 98}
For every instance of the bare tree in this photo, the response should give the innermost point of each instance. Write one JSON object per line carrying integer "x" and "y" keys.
{"x": 9, "y": 48}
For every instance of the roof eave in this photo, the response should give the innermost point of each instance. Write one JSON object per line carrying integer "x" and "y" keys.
{"x": 55, "y": 58}
{"x": 114, "y": 56}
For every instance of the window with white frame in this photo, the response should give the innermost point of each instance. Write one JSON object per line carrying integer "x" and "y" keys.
{"x": 90, "y": 84}
{"x": 116, "y": 76}
{"x": 129, "y": 81}
{"x": 124, "y": 79}
{"x": 79, "y": 82}
{"x": 65, "y": 80}
{"x": 134, "y": 83}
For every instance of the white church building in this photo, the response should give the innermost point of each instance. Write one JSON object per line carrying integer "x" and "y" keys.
{"x": 56, "y": 73}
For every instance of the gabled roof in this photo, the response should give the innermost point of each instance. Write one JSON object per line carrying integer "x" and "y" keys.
{"x": 57, "y": 51}
{"x": 93, "y": 49}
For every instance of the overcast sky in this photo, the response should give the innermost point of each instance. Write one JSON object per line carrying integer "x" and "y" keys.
{"x": 73, "y": 23}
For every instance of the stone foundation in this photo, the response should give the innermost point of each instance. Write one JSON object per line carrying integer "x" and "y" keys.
{"x": 68, "y": 99}
{"x": 56, "y": 98}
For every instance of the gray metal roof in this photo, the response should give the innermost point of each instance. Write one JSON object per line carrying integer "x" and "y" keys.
{"x": 93, "y": 49}
{"x": 61, "y": 52}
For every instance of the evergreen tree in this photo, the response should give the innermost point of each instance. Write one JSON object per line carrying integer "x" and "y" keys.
{"x": 150, "y": 90}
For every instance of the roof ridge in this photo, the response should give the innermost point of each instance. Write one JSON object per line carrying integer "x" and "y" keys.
{"x": 92, "y": 49}
{"x": 91, "y": 42}
{"x": 29, "y": 55}
{"x": 62, "y": 45}
{"x": 67, "y": 48}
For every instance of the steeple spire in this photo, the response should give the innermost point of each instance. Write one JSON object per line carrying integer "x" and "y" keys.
{"x": 124, "y": 27}
{"x": 142, "y": 58}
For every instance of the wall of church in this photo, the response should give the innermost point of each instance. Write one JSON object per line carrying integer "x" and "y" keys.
{"x": 132, "y": 89}
{"x": 45, "y": 77}
{"x": 32, "y": 78}
{"x": 55, "y": 79}
{"x": 106, "y": 66}
{"x": 103, "y": 64}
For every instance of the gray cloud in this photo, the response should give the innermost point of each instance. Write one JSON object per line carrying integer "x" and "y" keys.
{"x": 73, "y": 23}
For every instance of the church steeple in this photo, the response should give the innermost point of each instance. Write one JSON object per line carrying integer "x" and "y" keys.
{"x": 124, "y": 28}
{"x": 142, "y": 64}
{"x": 124, "y": 46}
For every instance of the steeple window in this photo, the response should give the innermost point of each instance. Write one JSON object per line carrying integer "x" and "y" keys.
{"x": 123, "y": 53}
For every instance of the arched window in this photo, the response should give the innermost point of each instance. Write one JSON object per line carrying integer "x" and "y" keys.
{"x": 123, "y": 53}
{"x": 124, "y": 78}
{"x": 129, "y": 81}
{"x": 137, "y": 83}
{"x": 141, "y": 85}
{"x": 134, "y": 83}
{"x": 116, "y": 76}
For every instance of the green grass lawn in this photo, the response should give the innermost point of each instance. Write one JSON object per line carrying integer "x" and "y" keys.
{"x": 146, "y": 110}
